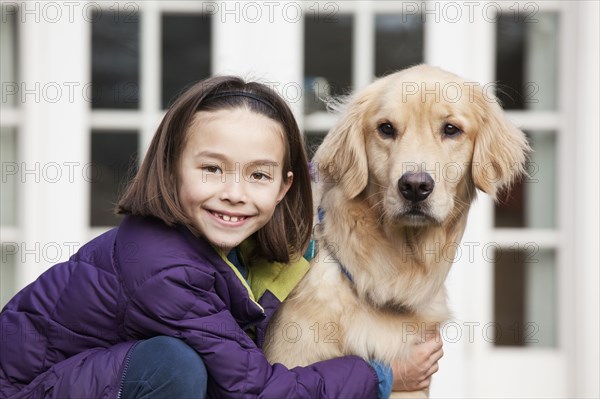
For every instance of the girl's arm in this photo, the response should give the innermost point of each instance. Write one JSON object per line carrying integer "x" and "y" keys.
{"x": 182, "y": 302}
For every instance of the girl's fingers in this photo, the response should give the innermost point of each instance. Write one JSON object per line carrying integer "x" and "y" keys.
{"x": 424, "y": 384}
{"x": 437, "y": 355}
{"x": 432, "y": 362}
{"x": 431, "y": 351}
{"x": 432, "y": 370}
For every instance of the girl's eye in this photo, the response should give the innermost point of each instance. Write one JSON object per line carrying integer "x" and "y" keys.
{"x": 259, "y": 176}
{"x": 387, "y": 130}
{"x": 451, "y": 130}
{"x": 211, "y": 168}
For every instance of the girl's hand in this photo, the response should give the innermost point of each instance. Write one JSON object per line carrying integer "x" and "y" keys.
{"x": 414, "y": 374}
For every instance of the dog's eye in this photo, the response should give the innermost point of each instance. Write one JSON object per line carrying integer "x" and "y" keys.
{"x": 387, "y": 130}
{"x": 451, "y": 130}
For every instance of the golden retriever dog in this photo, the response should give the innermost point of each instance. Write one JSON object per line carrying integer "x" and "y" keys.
{"x": 396, "y": 177}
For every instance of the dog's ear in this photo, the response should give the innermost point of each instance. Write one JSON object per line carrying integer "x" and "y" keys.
{"x": 500, "y": 148}
{"x": 342, "y": 158}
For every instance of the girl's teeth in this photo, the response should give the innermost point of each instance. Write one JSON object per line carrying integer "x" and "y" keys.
{"x": 228, "y": 218}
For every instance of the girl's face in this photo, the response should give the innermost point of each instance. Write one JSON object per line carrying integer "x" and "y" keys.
{"x": 231, "y": 174}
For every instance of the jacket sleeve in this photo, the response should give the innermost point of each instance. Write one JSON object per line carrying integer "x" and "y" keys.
{"x": 181, "y": 302}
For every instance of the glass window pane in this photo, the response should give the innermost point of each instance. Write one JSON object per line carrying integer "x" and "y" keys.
{"x": 526, "y": 61}
{"x": 8, "y": 54}
{"x": 186, "y": 52}
{"x": 10, "y": 177}
{"x": 531, "y": 202}
{"x": 398, "y": 42}
{"x": 115, "y": 59}
{"x": 327, "y": 59}
{"x": 114, "y": 161}
{"x": 312, "y": 142}
{"x": 524, "y": 297}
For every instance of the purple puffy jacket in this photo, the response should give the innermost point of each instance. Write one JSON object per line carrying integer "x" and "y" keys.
{"x": 68, "y": 334}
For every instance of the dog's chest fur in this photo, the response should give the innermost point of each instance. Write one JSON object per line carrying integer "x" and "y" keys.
{"x": 331, "y": 314}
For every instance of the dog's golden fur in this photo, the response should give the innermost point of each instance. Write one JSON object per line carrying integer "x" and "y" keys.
{"x": 397, "y": 252}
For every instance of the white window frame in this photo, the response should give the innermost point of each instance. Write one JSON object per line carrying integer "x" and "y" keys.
{"x": 147, "y": 117}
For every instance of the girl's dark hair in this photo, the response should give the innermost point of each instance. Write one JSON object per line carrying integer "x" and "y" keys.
{"x": 154, "y": 190}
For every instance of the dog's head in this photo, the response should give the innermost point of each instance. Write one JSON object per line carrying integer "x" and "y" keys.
{"x": 416, "y": 144}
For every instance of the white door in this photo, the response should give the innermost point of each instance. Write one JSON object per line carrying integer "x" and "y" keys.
{"x": 510, "y": 289}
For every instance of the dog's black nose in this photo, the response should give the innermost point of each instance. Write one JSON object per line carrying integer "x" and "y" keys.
{"x": 415, "y": 187}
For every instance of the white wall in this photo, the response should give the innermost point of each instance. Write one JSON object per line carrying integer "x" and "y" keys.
{"x": 585, "y": 187}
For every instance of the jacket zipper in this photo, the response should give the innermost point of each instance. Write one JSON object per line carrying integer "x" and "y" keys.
{"x": 125, "y": 367}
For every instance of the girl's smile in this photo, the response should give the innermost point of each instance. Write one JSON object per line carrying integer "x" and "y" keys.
{"x": 230, "y": 174}
{"x": 229, "y": 219}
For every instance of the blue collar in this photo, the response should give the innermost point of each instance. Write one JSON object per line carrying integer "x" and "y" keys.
{"x": 321, "y": 216}
{"x": 345, "y": 271}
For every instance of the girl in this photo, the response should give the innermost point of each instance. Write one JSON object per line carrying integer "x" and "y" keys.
{"x": 174, "y": 302}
